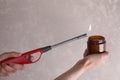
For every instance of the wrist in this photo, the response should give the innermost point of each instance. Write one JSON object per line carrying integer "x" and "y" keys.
{"x": 83, "y": 65}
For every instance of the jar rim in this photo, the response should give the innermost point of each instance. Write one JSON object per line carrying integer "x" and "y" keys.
{"x": 96, "y": 38}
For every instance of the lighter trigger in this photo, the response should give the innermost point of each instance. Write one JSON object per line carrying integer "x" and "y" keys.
{"x": 29, "y": 59}
{"x": 34, "y": 57}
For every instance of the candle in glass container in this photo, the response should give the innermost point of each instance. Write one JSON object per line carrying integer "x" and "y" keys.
{"x": 96, "y": 44}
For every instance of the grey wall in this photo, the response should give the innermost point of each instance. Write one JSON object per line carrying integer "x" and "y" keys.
{"x": 30, "y": 24}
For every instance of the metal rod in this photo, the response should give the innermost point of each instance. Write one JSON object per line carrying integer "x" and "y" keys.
{"x": 69, "y": 40}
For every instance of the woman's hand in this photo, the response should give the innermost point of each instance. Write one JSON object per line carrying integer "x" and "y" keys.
{"x": 95, "y": 60}
{"x": 88, "y": 62}
{"x": 11, "y": 68}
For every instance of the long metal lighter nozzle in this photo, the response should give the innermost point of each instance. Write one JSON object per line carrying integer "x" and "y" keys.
{"x": 69, "y": 40}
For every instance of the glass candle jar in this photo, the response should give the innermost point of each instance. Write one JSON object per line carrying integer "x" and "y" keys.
{"x": 96, "y": 44}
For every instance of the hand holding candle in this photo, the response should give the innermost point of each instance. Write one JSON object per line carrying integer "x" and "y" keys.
{"x": 92, "y": 58}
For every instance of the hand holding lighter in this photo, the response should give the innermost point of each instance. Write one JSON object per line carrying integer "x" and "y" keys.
{"x": 25, "y": 57}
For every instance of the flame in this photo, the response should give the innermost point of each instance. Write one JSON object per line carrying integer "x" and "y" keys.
{"x": 90, "y": 28}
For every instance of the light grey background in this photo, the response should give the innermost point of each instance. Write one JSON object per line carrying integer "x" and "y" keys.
{"x": 29, "y": 24}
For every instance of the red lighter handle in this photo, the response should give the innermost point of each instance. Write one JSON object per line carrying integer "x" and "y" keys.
{"x": 24, "y": 58}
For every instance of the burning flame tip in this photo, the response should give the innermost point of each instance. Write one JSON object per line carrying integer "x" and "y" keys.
{"x": 90, "y": 28}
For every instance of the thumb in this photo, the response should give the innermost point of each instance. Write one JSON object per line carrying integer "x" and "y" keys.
{"x": 9, "y": 54}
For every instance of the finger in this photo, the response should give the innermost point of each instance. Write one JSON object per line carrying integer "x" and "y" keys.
{"x": 16, "y": 66}
{"x": 9, "y": 54}
{"x": 9, "y": 69}
{"x": 31, "y": 59}
{"x": 3, "y": 72}
{"x": 85, "y": 53}
{"x": 105, "y": 55}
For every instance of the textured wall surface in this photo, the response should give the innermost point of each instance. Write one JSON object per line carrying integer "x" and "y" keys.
{"x": 30, "y": 24}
